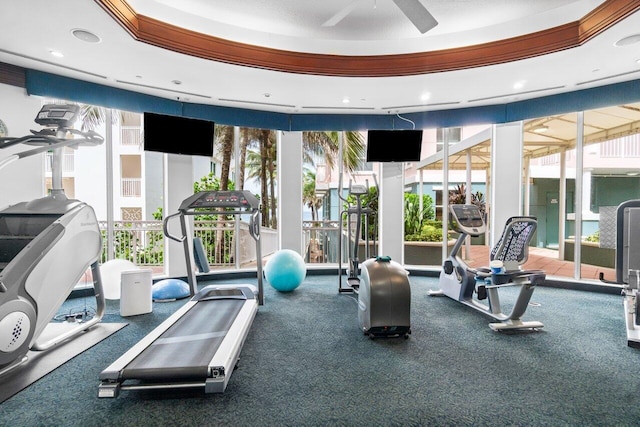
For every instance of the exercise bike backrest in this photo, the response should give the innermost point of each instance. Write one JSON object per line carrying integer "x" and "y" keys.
{"x": 513, "y": 247}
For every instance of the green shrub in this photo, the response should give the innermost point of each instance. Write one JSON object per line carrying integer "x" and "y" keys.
{"x": 595, "y": 237}
{"x": 431, "y": 231}
{"x": 414, "y": 218}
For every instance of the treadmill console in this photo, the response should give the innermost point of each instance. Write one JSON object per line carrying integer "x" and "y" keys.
{"x": 223, "y": 199}
{"x": 467, "y": 219}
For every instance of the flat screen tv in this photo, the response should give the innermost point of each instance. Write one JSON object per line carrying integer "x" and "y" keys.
{"x": 394, "y": 145}
{"x": 178, "y": 135}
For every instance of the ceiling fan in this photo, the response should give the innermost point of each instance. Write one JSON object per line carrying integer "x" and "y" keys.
{"x": 413, "y": 9}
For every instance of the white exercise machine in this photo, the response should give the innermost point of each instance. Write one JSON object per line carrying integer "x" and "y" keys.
{"x": 46, "y": 246}
{"x": 381, "y": 285}
{"x": 200, "y": 344}
{"x": 470, "y": 286}
{"x": 628, "y": 266}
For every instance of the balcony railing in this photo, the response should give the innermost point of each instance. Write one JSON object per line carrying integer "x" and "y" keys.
{"x": 142, "y": 242}
{"x": 321, "y": 241}
{"x": 131, "y": 187}
{"x": 131, "y": 135}
{"x": 627, "y": 146}
{"x": 68, "y": 165}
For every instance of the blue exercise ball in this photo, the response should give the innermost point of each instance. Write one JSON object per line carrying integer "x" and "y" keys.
{"x": 170, "y": 290}
{"x": 285, "y": 270}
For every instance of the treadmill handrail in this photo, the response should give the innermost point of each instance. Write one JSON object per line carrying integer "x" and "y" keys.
{"x": 165, "y": 228}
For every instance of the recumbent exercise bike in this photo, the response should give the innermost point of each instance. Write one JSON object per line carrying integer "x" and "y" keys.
{"x": 471, "y": 286}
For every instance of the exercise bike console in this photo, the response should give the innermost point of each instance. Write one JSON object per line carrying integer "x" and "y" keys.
{"x": 468, "y": 219}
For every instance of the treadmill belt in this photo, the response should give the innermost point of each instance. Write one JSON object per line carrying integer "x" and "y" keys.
{"x": 185, "y": 349}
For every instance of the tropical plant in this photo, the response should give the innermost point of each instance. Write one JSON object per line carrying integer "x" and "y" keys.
{"x": 414, "y": 217}
{"x": 261, "y": 158}
{"x": 326, "y": 144}
{"x": 458, "y": 196}
{"x": 217, "y": 241}
{"x": 594, "y": 237}
{"x": 224, "y": 139}
{"x": 370, "y": 203}
{"x": 309, "y": 197}
{"x": 431, "y": 231}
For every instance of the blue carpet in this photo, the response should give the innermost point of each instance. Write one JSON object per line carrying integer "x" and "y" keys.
{"x": 306, "y": 363}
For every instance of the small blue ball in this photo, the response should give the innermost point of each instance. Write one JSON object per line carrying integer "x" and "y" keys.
{"x": 169, "y": 290}
{"x": 285, "y": 270}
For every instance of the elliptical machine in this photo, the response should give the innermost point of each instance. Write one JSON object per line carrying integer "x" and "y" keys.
{"x": 460, "y": 282}
{"x": 628, "y": 266}
{"x": 354, "y": 214}
{"x": 382, "y": 285}
{"x": 46, "y": 245}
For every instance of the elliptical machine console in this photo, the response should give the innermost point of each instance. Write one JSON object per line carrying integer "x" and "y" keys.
{"x": 46, "y": 246}
{"x": 470, "y": 286}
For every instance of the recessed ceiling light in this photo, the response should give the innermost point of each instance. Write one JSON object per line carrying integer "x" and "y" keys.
{"x": 540, "y": 129}
{"x": 85, "y": 36}
{"x": 345, "y": 100}
{"x": 425, "y": 96}
{"x": 629, "y": 40}
{"x": 176, "y": 82}
{"x": 267, "y": 95}
{"x": 56, "y": 54}
{"x": 519, "y": 84}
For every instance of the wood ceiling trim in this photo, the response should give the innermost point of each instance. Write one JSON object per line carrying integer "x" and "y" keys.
{"x": 164, "y": 35}
{"x": 12, "y": 75}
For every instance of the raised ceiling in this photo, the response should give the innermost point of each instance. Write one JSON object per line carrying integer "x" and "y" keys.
{"x": 280, "y": 55}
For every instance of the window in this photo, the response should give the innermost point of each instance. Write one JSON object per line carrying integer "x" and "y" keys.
{"x": 455, "y": 136}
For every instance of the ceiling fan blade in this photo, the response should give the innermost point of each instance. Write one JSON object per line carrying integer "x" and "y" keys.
{"x": 417, "y": 14}
{"x": 341, "y": 14}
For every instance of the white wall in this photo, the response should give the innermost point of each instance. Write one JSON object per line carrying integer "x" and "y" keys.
{"x": 290, "y": 191}
{"x": 391, "y": 210}
{"x": 23, "y": 179}
{"x": 506, "y": 176}
{"x": 90, "y": 171}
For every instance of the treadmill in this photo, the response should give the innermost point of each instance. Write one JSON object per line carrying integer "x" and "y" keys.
{"x": 212, "y": 325}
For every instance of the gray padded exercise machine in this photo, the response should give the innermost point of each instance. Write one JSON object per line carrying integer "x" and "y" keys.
{"x": 628, "y": 266}
{"x": 200, "y": 344}
{"x": 382, "y": 285}
{"x": 46, "y": 246}
{"x": 470, "y": 286}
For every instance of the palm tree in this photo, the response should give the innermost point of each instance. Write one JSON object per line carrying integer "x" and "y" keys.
{"x": 309, "y": 197}
{"x": 260, "y": 165}
{"x": 224, "y": 138}
{"x": 311, "y": 200}
{"x": 326, "y": 144}
{"x": 258, "y": 159}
